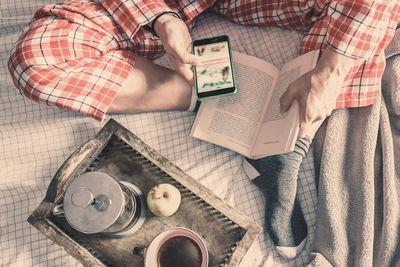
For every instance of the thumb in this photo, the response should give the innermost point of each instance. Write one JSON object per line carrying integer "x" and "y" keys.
{"x": 187, "y": 73}
{"x": 184, "y": 70}
{"x": 185, "y": 57}
{"x": 191, "y": 59}
{"x": 287, "y": 98}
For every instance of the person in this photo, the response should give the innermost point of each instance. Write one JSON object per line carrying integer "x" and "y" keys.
{"x": 94, "y": 57}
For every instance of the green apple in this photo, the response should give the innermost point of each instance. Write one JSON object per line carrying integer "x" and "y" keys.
{"x": 163, "y": 199}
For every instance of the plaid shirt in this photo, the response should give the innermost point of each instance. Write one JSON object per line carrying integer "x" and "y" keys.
{"x": 102, "y": 36}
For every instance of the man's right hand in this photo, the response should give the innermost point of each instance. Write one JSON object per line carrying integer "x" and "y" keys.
{"x": 177, "y": 43}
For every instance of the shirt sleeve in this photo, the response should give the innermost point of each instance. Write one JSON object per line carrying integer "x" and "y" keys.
{"x": 130, "y": 15}
{"x": 357, "y": 28}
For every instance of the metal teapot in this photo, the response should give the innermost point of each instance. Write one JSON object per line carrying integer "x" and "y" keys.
{"x": 94, "y": 202}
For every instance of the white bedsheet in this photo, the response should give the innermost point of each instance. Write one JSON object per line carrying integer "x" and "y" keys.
{"x": 35, "y": 139}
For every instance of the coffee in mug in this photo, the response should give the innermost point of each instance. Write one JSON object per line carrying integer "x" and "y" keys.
{"x": 179, "y": 251}
{"x": 175, "y": 247}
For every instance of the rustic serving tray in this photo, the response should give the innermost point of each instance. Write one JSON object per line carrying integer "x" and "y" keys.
{"x": 115, "y": 150}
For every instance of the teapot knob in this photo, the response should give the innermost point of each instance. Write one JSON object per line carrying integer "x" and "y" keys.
{"x": 102, "y": 202}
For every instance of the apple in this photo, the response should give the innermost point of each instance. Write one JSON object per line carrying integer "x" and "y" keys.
{"x": 163, "y": 199}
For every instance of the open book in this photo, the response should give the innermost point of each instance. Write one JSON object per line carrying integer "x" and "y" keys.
{"x": 250, "y": 122}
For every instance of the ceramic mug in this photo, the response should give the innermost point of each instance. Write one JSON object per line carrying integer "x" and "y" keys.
{"x": 175, "y": 247}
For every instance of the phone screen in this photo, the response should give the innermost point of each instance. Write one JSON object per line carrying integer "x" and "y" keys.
{"x": 215, "y": 76}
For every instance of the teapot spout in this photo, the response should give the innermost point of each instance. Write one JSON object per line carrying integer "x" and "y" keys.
{"x": 58, "y": 210}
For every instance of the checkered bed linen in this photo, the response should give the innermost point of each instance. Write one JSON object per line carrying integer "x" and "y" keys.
{"x": 36, "y": 139}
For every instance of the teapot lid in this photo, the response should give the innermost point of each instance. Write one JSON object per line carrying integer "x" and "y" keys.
{"x": 93, "y": 201}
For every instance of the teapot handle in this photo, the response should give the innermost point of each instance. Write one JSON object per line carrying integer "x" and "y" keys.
{"x": 58, "y": 210}
{"x": 67, "y": 169}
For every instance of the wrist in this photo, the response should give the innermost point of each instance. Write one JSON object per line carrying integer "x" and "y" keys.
{"x": 335, "y": 63}
{"x": 161, "y": 20}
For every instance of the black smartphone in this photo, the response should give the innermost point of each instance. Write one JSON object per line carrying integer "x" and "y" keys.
{"x": 215, "y": 76}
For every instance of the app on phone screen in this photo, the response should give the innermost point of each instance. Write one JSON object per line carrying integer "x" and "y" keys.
{"x": 215, "y": 71}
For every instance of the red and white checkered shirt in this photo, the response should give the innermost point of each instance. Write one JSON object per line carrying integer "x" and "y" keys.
{"x": 77, "y": 54}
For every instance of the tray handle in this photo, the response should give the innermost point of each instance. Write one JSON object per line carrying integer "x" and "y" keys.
{"x": 85, "y": 152}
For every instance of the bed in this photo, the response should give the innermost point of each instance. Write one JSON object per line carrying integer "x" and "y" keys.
{"x": 36, "y": 139}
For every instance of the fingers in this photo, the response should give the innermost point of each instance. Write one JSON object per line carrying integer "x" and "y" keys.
{"x": 287, "y": 98}
{"x": 311, "y": 117}
{"x": 305, "y": 129}
{"x": 187, "y": 73}
{"x": 185, "y": 57}
{"x": 177, "y": 41}
{"x": 182, "y": 61}
{"x": 305, "y": 122}
{"x": 286, "y": 101}
{"x": 309, "y": 129}
{"x": 182, "y": 69}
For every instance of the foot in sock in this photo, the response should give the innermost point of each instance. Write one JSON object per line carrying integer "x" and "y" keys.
{"x": 284, "y": 218}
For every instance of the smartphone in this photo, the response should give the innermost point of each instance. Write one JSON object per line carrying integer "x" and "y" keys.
{"x": 215, "y": 76}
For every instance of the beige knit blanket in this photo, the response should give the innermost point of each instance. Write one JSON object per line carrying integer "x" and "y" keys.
{"x": 358, "y": 152}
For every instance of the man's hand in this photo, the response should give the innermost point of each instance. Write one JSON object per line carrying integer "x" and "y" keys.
{"x": 316, "y": 91}
{"x": 177, "y": 43}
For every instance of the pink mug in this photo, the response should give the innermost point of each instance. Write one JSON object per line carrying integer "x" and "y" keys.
{"x": 177, "y": 246}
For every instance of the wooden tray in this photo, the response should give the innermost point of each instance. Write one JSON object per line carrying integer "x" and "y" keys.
{"x": 115, "y": 150}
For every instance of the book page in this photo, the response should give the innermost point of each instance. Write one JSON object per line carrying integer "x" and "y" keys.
{"x": 279, "y": 130}
{"x": 232, "y": 121}
{"x": 273, "y": 112}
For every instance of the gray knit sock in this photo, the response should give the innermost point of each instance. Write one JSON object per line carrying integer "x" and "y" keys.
{"x": 284, "y": 218}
